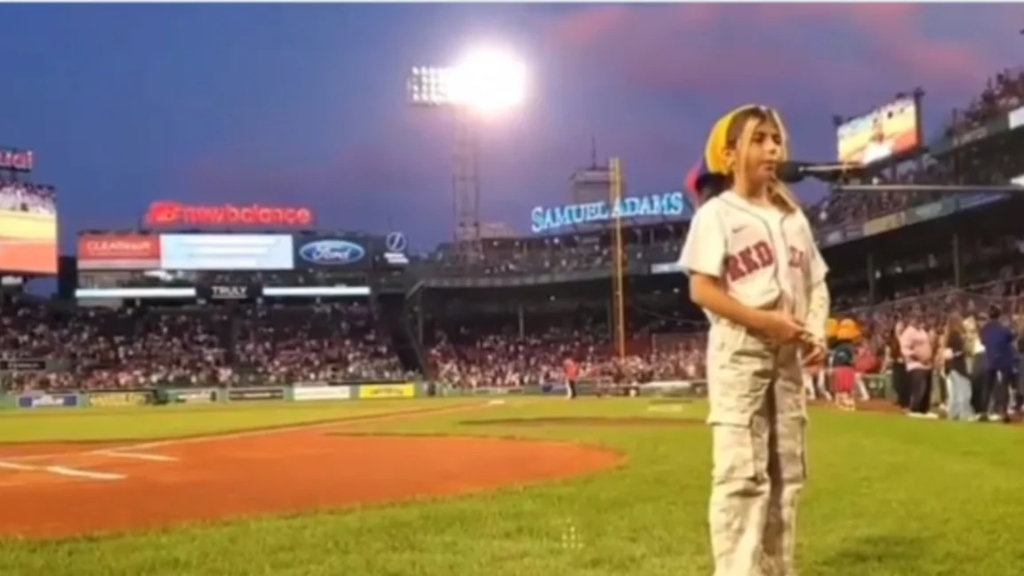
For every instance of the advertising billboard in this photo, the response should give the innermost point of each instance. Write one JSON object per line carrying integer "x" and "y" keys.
{"x": 226, "y": 252}
{"x": 165, "y": 213}
{"x": 16, "y": 160}
{"x": 28, "y": 228}
{"x": 395, "y": 247}
{"x": 132, "y": 293}
{"x": 891, "y": 130}
{"x": 316, "y": 291}
{"x": 220, "y": 293}
{"x": 329, "y": 252}
{"x": 548, "y": 219}
{"x": 118, "y": 252}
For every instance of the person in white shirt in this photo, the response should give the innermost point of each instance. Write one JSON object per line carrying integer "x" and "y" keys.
{"x": 754, "y": 268}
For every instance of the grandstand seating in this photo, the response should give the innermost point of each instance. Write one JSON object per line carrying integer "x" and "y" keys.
{"x": 472, "y": 341}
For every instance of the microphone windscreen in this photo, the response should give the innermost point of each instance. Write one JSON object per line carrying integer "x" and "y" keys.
{"x": 789, "y": 172}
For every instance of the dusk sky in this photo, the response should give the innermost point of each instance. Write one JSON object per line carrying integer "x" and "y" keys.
{"x": 306, "y": 104}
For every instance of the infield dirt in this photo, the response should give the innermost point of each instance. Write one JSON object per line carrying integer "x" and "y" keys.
{"x": 103, "y": 489}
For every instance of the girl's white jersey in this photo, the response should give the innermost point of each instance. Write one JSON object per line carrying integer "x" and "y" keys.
{"x": 765, "y": 257}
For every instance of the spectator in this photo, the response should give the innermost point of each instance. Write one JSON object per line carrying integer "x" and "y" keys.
{"x": 1000, "y": 351}
{"x": 915, "y": 346}
{"x": 957, "y": 376}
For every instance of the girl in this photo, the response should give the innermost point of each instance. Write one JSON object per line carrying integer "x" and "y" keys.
{"x": 755, "y": 270}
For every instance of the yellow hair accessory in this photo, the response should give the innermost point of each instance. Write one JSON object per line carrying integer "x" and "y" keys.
{"x": 718, "y": 141}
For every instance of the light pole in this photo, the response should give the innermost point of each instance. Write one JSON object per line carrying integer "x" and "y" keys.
{"x": 484, "y": 83}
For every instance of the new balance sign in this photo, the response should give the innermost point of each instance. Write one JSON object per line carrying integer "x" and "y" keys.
{"x": 322, "y": 393}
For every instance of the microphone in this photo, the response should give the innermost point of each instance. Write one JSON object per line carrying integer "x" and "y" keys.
{"x": 793, "y": 172}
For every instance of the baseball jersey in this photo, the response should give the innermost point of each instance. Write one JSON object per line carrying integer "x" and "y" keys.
{"x": 766, "y": 258}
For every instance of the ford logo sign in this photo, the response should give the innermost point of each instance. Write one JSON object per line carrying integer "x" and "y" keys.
{"x": 332, "y": 252}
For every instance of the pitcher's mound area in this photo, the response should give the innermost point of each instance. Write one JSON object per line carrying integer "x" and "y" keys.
{"x": 632, "y": 421}
{"x": 297, "y": 471}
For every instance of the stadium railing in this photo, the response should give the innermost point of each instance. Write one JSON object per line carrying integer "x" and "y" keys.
{"x": 169, "y": 394}
{"x": 877, "y": 386}
{"x": 585, "y": 387}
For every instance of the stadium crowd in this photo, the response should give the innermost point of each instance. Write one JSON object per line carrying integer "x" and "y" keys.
{"x": 266, "y": 343}
{"x": 1003, "y": 93}
{"x": 27, "y": 197}
{"x": 99, "y": 347}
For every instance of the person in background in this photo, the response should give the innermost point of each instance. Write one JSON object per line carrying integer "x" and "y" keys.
{"x": 1018, "y": 333}
{"x": 1000, "y": 346}
{"x": 915, "y": 346}
{"x": 898, "y": 367}
{"x": 571, "y": 373}
{"x": 958, "y": 383}
{"x": 866, "y": 364}
{"x": 977, "y": 366}
{"x": 940, "y": 392}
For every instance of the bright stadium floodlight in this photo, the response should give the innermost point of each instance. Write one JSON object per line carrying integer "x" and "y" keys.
{"x": 485, "y": 80}
{"x": 489, "y": 81}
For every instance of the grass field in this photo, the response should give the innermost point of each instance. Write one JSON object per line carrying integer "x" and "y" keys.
{"x": 147, "y": 423}
{"x": 887, "y": 496}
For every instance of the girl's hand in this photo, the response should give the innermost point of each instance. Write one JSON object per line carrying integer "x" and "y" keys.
{"x": 781, "y": 326}
{"x": 814, "y": 356}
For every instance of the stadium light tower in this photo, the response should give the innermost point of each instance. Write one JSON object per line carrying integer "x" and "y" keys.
{"x": 485, "y": 82}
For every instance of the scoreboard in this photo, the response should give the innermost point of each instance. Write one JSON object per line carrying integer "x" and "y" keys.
{"x": 231, "y": 266}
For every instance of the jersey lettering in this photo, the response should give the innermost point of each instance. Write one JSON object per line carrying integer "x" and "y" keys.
{"x": 748, "y": 260}
{"x": 757, "y": 257}
{"x": 797, "y": 258}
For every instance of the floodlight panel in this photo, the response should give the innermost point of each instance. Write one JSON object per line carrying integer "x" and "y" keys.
{"x": 488, "y": 81}
{"x": 430, "y": 86}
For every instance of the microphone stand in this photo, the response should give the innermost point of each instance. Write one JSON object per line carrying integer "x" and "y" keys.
{"x": 947, "y": 188}
{"x": 850, "y": 181}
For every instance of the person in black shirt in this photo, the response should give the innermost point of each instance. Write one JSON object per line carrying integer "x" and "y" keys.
{"x": 978, "y": 365}
{"x": 958, "y": 380}
{"x": 899, "y": 368}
